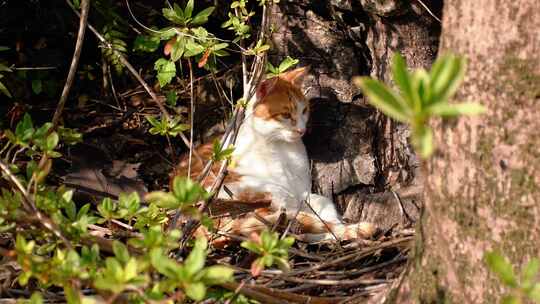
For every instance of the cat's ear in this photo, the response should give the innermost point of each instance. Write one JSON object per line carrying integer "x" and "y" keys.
{"x": 296, "y": 76}
{"x": 265, "y": 87}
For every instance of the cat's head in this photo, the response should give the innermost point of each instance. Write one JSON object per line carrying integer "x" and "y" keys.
{"x": 281, "y": 111}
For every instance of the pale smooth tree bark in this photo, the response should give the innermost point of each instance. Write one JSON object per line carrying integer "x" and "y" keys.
{"x": 483, "y": 185}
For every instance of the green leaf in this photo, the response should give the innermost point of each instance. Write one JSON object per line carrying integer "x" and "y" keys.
{"x": 287, "y": 63}
{"x": 130, "y": 270}
{"x": 282, "y": 264}
{"x": 187, "y": 191}
{"x": 120, "y": 251}
{"x": 175, "y": 15}
{"x": 273, "y": 70}
{"x": 171, "y": 98}
{"x": 269, "y": 240}
{"x": 52, "y": 141}
{"x": 153, "y": 121}
{"x": 189, "y": 9}
{"x": 498, "y": 264}
{"x": 72, "y": 296}
{"x": 510, "y": 299}
{"x": 534, "y": 293}
{"x": 193, "y": 48}
{"x": 444, "y": 109}
{"x": 196, "y": 291}
{"x": 178, "y": 48}
{"x": 252, "y": 246}
{"x": 530, "y": 271}
{"x": 166, "y": 71}
{"x": 288, "y": 241}
{"x": 71, "y": 210}
{"x": 167, "y": 33}
{"x": 421, "y": 89}
{"x": 403, "y": 80}
{"x": 217, "y": 274}
{"x": 178, "y": 11}
{"x": 4, "y": 90}
{"x": 36, "y": 298}
{"x": 4, "y": 68}
{"x": 37, "y": 86}
{"x": 145, "y": 43}
{"x": 196, "y": 258}
{"x": 383, "y": 99}
{"x": 162, "y": 199}
{"x": 83, "y": 211}
{"x": 202, "y": 16}
{"x": 163, "y": 264}
{"x": 446, "y": 74}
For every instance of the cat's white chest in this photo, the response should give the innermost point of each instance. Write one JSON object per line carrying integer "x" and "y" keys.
{"x": 281, "y": 168}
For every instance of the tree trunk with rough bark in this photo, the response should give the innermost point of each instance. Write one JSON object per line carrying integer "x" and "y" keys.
{"x": 483, "y": 185}
{"x": 357, "y": 153}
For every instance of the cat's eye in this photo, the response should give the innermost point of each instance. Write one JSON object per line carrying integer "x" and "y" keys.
{"x": 285, "y": 116}
{"x": 304, "y": 111}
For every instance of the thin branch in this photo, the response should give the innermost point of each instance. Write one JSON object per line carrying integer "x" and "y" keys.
{"x": 191, "y": 116}
{"x": 429, "y": 11}
{"x": 85, "y": 8}
{"x": 128, "y": 65}
{"x": 33, "y": 68}
{"x": 132, "y": 70}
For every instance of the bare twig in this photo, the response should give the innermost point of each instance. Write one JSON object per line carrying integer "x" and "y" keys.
{"x": 402, "y": 210}
{"x": 191, "y": 116}
{"x": 85, "y": 8}
{"x": 33, "y": 68}
{"x": 429, "y": 11}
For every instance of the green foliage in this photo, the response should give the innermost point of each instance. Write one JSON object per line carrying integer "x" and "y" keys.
{"x": 271, "y": 250}
{"x": 218, "y": 153}
{"x": 192, "y": 277}
{"x": 238, "y": 21}
{"x": 126, "y": 208}
{"x": 116, "y": 39}
{"x": 421, "y": 96}
{"x": 166, "y": 70}
{"x": 119, "y": 249}
{"x": 35, "y": 141}
{"x": 145, "y": 43}
{"x": 170, "y": 127}
{"x": 184, "y": 17}
{"x": 286, "y": 64}
{"x": 142, "y": 270}
{"x": 185, "y": 193}
{"x": 526, "y": 286}
{"x": 171, "y": 98}
{"x": 258, "y": 49}
{"x": 186, "y": 38}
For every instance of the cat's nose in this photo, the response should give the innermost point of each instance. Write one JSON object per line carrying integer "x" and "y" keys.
{"x": 301, "y": 131}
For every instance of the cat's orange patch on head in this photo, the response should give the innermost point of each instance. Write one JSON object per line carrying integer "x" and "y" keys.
{"x": 278, "y": 97}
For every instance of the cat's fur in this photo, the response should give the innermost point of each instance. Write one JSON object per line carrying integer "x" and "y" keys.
{"x": 270, "y": 162}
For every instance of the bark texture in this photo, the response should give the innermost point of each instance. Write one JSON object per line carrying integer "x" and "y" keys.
{"x": 356, "y": 151}
{"x": 483, "y": 186}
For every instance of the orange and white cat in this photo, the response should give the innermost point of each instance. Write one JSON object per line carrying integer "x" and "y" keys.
{"x": 270, "y": 162}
